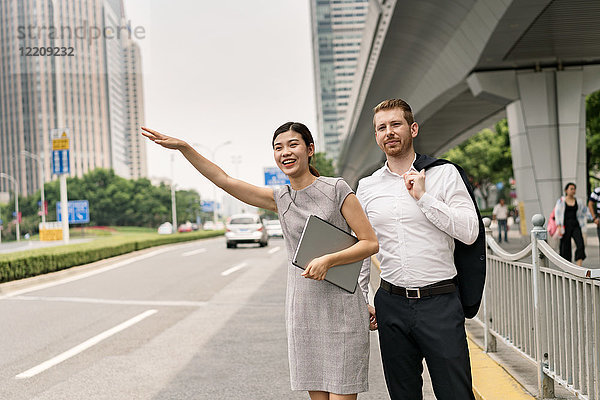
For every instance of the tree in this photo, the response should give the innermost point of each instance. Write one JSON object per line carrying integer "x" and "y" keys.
{"x": 323, "y": 164}
{"x": 113, "y": 201}
{"x": 485, "y": 157}
{"x": 592, "y": 134}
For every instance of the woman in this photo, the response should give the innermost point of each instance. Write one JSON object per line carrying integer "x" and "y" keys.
{"x": 327, "y": 328}
{"x": 570, "y": 216}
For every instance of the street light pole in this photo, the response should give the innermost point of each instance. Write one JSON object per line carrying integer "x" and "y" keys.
{"x": 42, "y": 180}
{"x": 10, "y": 178}
{"x": 212, "y": 153}
{"x": 173, "y": 200}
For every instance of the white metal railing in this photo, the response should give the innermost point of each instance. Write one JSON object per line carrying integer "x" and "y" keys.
{"x": 546, "y": 308}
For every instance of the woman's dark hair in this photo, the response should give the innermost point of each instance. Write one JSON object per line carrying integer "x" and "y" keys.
{"x": 569, "y": 184}
{"x": 306, "y": 136}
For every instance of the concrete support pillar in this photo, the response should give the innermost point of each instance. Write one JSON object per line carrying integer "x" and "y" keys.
{"x": 534, "y": 142}
{"x": 546, "y": 122}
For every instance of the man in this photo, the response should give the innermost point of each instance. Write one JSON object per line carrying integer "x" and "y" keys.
{"x": 594, "y": 207}
{"x": 500, "y": 214}
{"x": 417, "y": 216}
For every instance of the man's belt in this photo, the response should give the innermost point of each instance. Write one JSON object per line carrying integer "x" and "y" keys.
{"x": 442, "y": 287}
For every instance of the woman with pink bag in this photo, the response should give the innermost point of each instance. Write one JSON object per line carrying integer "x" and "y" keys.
{"x": 570, "y": 215}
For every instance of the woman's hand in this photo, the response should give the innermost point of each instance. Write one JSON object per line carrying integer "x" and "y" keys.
{"x": 372, "y": 318}
{"x": 317, "y": 268}
{"x": 164, "y": 140}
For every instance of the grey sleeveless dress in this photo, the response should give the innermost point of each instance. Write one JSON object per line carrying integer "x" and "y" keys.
{"x": 327, "y": 327}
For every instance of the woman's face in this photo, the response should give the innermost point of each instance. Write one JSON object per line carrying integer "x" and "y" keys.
{"x": 291, "y": 153}
{"x": 570, "y": 191}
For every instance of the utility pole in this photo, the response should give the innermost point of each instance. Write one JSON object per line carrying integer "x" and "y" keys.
{"x": 213, "y": 152}
{"x": 60, "y": 121}
{"x": 173, "y": 197}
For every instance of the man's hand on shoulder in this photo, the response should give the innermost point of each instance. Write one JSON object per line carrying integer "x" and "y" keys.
{"x": 415, "y": 183}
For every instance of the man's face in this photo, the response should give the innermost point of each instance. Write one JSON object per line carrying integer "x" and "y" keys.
{"x": 393, "y": 134}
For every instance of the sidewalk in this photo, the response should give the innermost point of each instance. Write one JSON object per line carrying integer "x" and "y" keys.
{"x": 519, "y": 370}
{"x": 516, "y": 242}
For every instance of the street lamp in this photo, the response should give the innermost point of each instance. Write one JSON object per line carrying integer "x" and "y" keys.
{"x": 10, "y": 178}
{"x": 173, "y": 196}
{"x": 38, "y": 159}
{"x": 212, "y": 155}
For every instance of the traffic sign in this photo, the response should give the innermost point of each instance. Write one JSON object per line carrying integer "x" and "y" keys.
{"x": 44, "y": 209}
{"x": 208, "y": 206}
{"x": 60, "y": 162}
{"x": 79, "y": 211}
{"x": 60, "y": 144}
{"x": 275, "y": 177}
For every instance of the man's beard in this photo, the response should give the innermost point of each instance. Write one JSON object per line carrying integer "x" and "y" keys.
{"x": 398, "y": 151}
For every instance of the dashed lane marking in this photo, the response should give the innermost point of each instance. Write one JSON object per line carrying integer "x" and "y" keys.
{"x": 193, "y": 252}
{"x": 234, "y": 269}
{"x": 274, "y": 250}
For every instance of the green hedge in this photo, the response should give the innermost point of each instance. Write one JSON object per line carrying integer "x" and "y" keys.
{"x": 25, "y": 264}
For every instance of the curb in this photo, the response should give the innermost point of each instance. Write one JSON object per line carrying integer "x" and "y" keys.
{"x": 490, "y": 380}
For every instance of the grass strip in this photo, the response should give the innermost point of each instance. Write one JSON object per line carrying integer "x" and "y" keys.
{"x": 25, "y": 264}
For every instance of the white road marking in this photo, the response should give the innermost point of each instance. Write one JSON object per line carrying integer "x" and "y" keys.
{"x": 90, "y": 273}
{"x": 233, "y": 269}
{"x": 193, "y": 252}
{"x": 274, "y": 250}
{"x": 151, "y": 303}
{"x": 84, "y": 346}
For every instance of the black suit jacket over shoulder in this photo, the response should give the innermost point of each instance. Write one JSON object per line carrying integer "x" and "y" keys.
{"x": 470, "y": 259}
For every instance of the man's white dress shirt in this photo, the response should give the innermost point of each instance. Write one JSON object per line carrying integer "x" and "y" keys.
{"x": 416, "y": 238}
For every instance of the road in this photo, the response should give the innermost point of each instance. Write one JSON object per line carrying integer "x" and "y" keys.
{"x": 187, "y": 321}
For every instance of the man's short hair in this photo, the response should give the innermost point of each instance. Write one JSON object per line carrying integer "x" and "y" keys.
{"x": 395, "y": 103}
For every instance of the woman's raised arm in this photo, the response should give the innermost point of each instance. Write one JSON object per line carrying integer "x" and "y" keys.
{"x": 250, "y": 194}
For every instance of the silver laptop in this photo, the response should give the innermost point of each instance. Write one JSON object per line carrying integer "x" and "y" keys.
{"x": 318, "y": 238}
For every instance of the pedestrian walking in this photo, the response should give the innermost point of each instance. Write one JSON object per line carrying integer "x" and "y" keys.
{"x": 594, "y": 208}
{"x": 432, "y": 247}
{"x": 500, "y": 214}
{"x": 570, "y": 215}
{"x": 327, "y": 327}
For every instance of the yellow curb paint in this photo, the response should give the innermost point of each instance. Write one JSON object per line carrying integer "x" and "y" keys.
{"x": 490, "y": 380}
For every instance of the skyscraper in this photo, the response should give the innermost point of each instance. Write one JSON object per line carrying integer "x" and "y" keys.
{"x": 337, "y": 27}
{"x": 136, "y": 146}
{"x": 66, "y": 64}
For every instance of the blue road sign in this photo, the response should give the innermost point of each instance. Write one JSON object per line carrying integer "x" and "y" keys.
{"x": 79, "y": 211}
{"x": 275, "y": 177}
{"x": 208, "y": 206}
{"x": 60, "y": 162}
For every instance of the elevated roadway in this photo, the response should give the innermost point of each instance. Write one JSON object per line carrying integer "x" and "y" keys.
{"x": 464, "y": 64}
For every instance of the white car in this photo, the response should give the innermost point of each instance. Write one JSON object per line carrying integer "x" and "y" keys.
{"x": 245, "y": 228}
{"x": 165, "y": 228}
{"x": 274, "y": 228}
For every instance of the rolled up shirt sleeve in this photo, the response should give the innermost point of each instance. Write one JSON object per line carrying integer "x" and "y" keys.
{"x": 456, "y": 214}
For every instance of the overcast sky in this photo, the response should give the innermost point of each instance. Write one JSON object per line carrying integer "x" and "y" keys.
{"x": 217, "y": 71}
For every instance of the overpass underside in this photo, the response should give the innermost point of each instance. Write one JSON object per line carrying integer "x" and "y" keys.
{"x": 464, "y": 64}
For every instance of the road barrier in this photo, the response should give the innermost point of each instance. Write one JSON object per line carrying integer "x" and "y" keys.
{"x": 546, "y": 308}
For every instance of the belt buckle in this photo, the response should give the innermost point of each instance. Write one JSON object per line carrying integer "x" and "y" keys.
{"x": 417, "y": 292}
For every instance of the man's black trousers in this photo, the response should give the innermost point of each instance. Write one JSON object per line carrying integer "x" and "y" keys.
{"x": 432, "y": 328}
